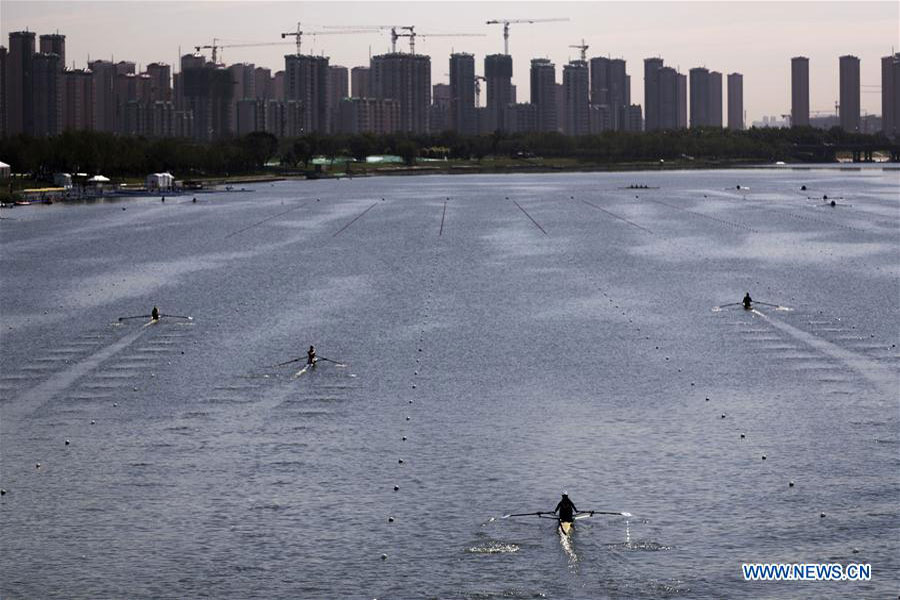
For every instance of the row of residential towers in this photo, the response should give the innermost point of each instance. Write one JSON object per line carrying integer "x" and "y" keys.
{"x": 206, "y": 100}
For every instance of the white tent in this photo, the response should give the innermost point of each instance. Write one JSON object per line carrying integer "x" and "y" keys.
{"x": 160, "y": 181}
{"x": 4, "y": 170}
{"x": 98, "y": 179}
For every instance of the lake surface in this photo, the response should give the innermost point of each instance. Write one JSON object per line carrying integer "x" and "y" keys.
{"x": 505, "y": 337}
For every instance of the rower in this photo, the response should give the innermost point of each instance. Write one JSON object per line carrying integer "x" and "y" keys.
{"x": 154, "y": 314}
{"x": 565, "y": 509}
{"x": 311, "y": 356}
{"x": 748, "y": 301}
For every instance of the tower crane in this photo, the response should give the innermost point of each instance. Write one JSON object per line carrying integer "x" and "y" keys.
{"x": 216, "y": 46}
{"x": 399, "y": 31}
{"x": 507, "y": 22}
{"x": 583, "y": 47}
{"x": 299, "y": 33}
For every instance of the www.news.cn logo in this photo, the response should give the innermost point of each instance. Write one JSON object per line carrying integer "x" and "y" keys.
{"x": 806, "y": 572}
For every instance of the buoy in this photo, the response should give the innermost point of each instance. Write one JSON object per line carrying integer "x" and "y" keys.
{"x": 764, "y": 457}
{"x": 390, "y": 519}
{"x": 707, "y": 399}
{"x": 404, "y": 438}
{"x": 37, "y": 466}
{"x": 723, "y": 415}
{"x": 396, "y": 487}
{"x": 790, "y": 484}
{"x": 93, "y": 422}
{"x": 821, "y": 515}
{"x": 115, "y": 404}
{"x": 2, "y": 492}
{"x": 400, "y": 461}
{"x": 407, "y": 418}
{"x": 413, "y": 386}
{"x": 67, "y": 442}
{"x": 743, "y": 436}
{"x": 384, "y": 557}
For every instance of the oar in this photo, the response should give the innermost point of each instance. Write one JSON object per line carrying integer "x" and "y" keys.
{"x": 178, "y": 317}
{"x": 136, "y": 317}
{"x": 766, "y": 303}
{"x": 531, "y": 514}
{"x": 293, "y": 360}
{"x": 591, "y": 513}
{"x": 729, "y": 304}
{"x": 329, "y": 360}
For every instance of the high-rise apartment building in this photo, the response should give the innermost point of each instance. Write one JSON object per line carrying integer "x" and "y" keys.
{"x": 306, "y": 82}
{"x": 78, "y": 100}
{"x": 338, "y": 89}
{"x": 610, "y": 86}
{"x": 652, "y": 67}
{"x": 439, "y": 111}
{"x": 715, "y": 99}
{"x": 632, "y": 119}
{"x": 890, "y": 95}
{"x": 706, "y": 98}
{"x": 359, "y": 82}
{"x": 850, "y": 93}
{"x": 498, "y": 69}
{"x": 160, "y": 82}
{"x": 463, "y": 118}
{"x": 368, "y": 115}
{"x": 104, "y": 75}
{"x": 735, "y": 101}
{"x": 19, "y": 99}
{"x": 576, "y": 98}
{"x": 54, "y": 43}
{"x": 800, "y": 91}
{"x": 208, "y": 89}
{"x": 405, "y": 78}
{"x": 681, "y": 107}
{"x": 700, "y": 97}
{"x": 521, "y": 118}
{"x": 3, "y": 55}
{"x": 263, "y": 84}
{"x": 543, "y": 93}
{"x": 46, "y": 95}
{"x": 243, "y": 76}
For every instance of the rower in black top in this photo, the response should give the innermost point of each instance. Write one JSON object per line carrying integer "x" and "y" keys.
{"x": 748, "y": 301}
{"x": 311, "y": 356}
{"x": 565, "y": 509}
{"x": 154, "y": 314}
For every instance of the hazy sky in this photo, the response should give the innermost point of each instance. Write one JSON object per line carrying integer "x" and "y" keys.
{"x": 754, "y": 38}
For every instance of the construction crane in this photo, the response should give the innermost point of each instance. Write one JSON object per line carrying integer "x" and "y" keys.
{"x": 216, "y": 46}
{"x": 507, "y": 22}
{"x": 412, "y": 34}
{"x": 299, "y": 33}
{"x": 583, "y": 47}
{"x": 397, "y": 32}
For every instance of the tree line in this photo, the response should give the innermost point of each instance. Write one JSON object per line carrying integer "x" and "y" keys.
{"x": 123, "y": 156}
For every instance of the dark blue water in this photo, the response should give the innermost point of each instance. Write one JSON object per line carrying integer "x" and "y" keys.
{"x": 506, "y": 337}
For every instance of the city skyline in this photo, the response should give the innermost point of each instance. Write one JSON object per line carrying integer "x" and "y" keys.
{"x": 686, "y": 35}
